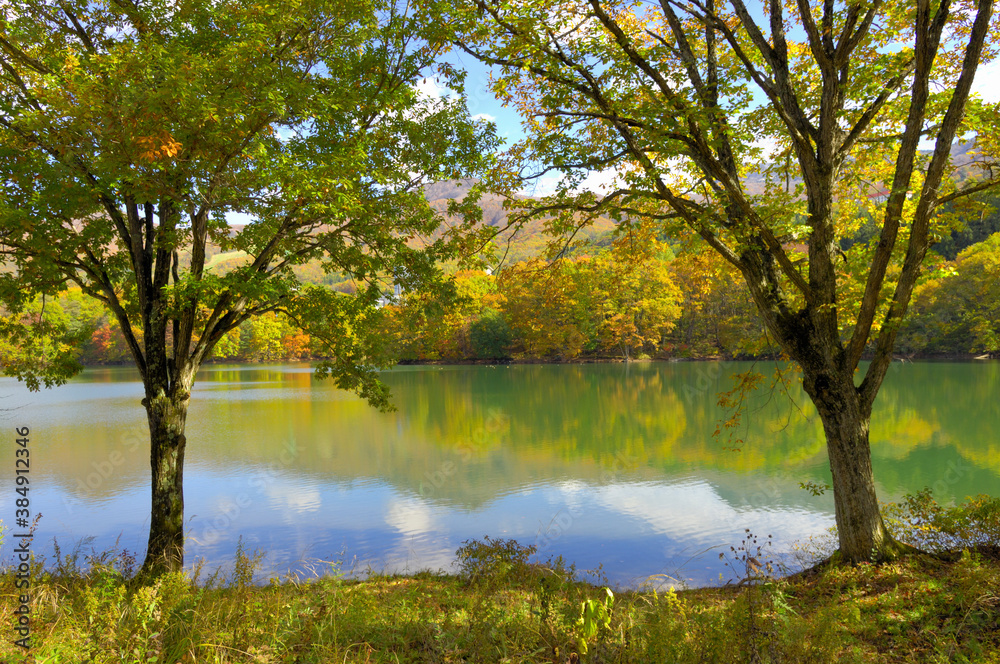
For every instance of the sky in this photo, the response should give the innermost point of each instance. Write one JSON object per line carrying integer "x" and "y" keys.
{"x": 484, "y": 104}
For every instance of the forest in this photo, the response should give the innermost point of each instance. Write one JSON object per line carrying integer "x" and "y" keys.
{"x": 610, "y": 300}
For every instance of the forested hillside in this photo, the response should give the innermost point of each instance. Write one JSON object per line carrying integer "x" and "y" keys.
{"x": 516, "y": 239}
{"x": 673, "y": 299}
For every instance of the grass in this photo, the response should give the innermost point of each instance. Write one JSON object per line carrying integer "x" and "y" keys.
{"x": 503, "y": 607}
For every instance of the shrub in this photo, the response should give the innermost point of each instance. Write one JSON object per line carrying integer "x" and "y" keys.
{"x": 491, "y": 336}
{"x": 921, "y": 522}
{"x": 493, "y": 560}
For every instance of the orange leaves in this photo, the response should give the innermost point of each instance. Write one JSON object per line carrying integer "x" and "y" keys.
{"x": 734, "y": 401}
{"x": 157, "y": 147}
{"x": 296, "y": 345}
{"x": 107, "y": 345}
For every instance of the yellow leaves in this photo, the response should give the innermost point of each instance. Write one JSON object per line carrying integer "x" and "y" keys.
{"x": 71, "y": 62}
{"x": 157, "y": 147}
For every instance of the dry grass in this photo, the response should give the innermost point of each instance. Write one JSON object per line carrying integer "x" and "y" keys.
{"x": 505, "y": 608}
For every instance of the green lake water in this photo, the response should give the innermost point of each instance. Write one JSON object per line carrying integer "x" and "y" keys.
{"x": 611, "y": 464}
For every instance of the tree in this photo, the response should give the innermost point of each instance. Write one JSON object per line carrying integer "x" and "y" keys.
{"x": 959, "y": 312}
{"x": 636, "y": 299}
{"x": 979, "y": 218}
{"x": 264, "y": 338}
{"x": 56, "y": 348}
{"x": 130, "y": 129}
{"x": 547, "y": 307}
{"x": 717, "y": 315}
{"x": 490, "y": 336}
{"x": 683, "y": 100}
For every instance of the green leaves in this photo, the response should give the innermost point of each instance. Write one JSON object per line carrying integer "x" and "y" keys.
{"x": 595, "y": 615}
{"x": 38, "y": 347}
{"x": 129, "y": 133}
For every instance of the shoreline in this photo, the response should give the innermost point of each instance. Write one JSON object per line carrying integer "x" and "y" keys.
{"x": 944, "y": 357}
{"x": 917, "y": 357}
{"x": 503, "y": 610}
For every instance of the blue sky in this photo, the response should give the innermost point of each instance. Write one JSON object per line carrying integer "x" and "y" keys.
{"x": 481, "y": 100}
{"x": 483, "y": 103}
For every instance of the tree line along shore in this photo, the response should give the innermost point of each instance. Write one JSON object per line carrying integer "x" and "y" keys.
{"x": 667, "y": 302}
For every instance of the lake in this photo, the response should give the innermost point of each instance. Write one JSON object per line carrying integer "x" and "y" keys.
{"x": 608, "y": 465}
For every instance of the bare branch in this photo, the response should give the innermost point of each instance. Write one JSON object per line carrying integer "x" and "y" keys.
{"x": 967, "y": 191}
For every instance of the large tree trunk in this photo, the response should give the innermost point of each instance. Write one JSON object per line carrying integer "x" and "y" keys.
{"x": 861, "y": 531}
{"x": 167, "y": 415}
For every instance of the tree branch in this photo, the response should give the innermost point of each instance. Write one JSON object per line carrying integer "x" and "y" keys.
{"x": 928, "y": 35}
{"x": 918, "y": 243}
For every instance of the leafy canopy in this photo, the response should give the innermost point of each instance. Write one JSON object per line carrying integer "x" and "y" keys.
{"x": 130, "y": 132}
{"x": 771, "y": 131}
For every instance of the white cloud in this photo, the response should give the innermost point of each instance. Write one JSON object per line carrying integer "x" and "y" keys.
{"x": 485, "y": 116}
{"x": 599, "y": 182}
{"x": 410, "y": 517}
{"x": 431, "y": 87}
{"x": 987, "y": 82}
{"x": 694, "y": 513}
{"x": 769, "y": 146}
{"x": 543, "y": 186}
{"x": 289, "y": 498}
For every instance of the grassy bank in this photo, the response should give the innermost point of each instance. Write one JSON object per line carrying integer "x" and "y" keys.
{"x": 505, "y": 607}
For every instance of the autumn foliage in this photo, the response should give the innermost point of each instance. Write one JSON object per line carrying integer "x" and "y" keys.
{"x": 587, "y": 307}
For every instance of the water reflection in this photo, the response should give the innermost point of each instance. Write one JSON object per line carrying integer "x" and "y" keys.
{"x": 603, "y": 464}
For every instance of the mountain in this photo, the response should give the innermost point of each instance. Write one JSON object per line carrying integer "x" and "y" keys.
{"x": 528, "y": 240}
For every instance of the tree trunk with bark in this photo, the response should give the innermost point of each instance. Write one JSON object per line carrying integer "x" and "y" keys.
{"x": 167, "y": 416}
{"x": 862, "y": 534}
